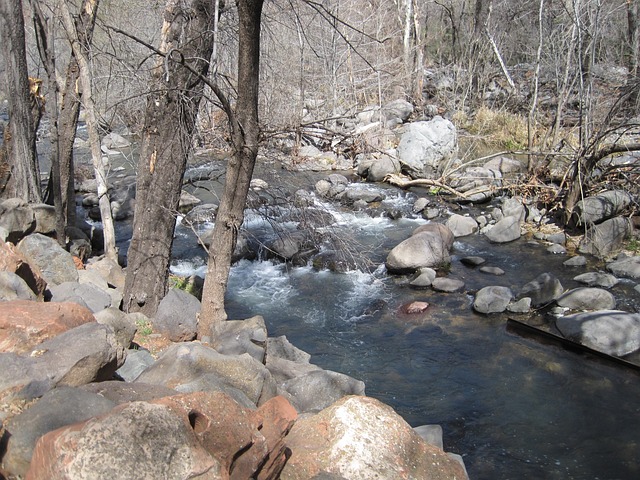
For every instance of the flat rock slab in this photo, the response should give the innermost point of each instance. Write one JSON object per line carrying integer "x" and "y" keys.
{"x": 628, "y": 267}
{"x": 610, "y": 331}
{"x": 587, "y": 298}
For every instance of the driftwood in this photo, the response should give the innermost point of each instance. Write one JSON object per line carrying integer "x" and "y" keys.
{"x": 404, "y": 182}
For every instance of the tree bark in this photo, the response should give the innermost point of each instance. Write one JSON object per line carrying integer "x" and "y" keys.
{"x": 172, "y": 107}
{"x": 19, "y": 174}
{"x": 245, "y": 136}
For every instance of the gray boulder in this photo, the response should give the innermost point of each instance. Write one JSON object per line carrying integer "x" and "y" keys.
{"x": 478, "y": 184}
{"x": 610, "y": 331}
{"x": 235, "y": 337}
{"x": 428, "y": 248}
{"x": 137, "y": 361}
{"x": 364, "y": 193}
{"x": 45, "y": 216}
{"x": 447, "y": 285}
{"x": 586, "y": 298}
{"x": 521, "y": 306}
{"x": 596, "y": 209}
{"x": 13, "y": 287}
{"x": 55, "y": 263}
{"x": 85, "y": 294}
{"x": 461, "y": 226}
{"x": 16, "y": 218}
{"x": 332, "y": 186}
{"x": 505, "y": 165}
{"x": 123, "y": 325}
{"x": 597, "y": 279}
{"x": 576, "y": 261}
{"x": 205, "y": 213}
{"x": 505, "y": 230}
{"x": 607, "y": 237}
{"x": 177, "y": 316}
{"x": 282, "y": 348}
{"x": 183, "y": 363}
{"x": 513, "y": 207}
{"x": 628, "y": 267}
{"x": 397, "y": 111}
{"x": 57, "y": 408}
{"x": 318, "y": 389}
{"x": 492, "y": 299}
{"x": 376, "y": 166}
{"x": 544, "y": 289}
{"x": 427, "y": 147}
{"x": 425, "y": 278}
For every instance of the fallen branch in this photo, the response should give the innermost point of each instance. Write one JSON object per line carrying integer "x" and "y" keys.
{"x": 404, "y": 182}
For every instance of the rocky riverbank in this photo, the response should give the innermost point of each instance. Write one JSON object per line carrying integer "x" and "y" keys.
{"x": 77, "y": 384}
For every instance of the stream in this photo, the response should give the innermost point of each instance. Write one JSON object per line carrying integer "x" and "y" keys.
{"x": 511, "y": 406}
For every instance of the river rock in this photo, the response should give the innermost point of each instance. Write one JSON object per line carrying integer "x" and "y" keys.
{"x": 114, "y": 141}
{"x": 25, "y": 324}
{"x": 343, "y": 442}
{"x": 137, "y": 361}
{"x": 124, "y": 392}
{"x": 57, "y": 408}
{"x": 521, "y": 306}
{"x": 281, "y": 347}
{"x": 610, "y": 331}
{"x": 505, "y": 165}
{"x": 576, "y": 261}
{"x": 13, "y": 287}
{"x": 461, "y": 226}
{"x": 184, "y": 363}
{"x": 472, "y": 261}
{"x": 76, "y": 357}
{"x": 425, "y": 278}
{"x": 177, "y": 316}
{"x": 492, "y": 299}
{"x": 55, "y": 263}
{"x": 85, "y": 294}
{"x": 607, "y": 237}
{"x": 432, "y": 434}
{"x": 586, "y": 298}
{"x": 426, "y": 147}
{"x": 17, "y": 218}
{"x": 12, "y": 260}
{"x": 628, "y": 267}
{"x": 478, "y": 184}
{"x": 235, "y": 337}
{"x": 425, "y": 248}
{"x": 556, "y": 249}
{"x": 108, "y": 269}
{"x": 596, "y": 209}
{"x": 447, "y": 285}
{"x": 505, "y": 230}
{"x": 513, "y": 207}
{"x": 45, "y": 216}
{"x": 492, "y": 270}
{"x": 597, "y": 279}
{"x": 363, "y": 193}
{"x": 332, "y": 186}
{"x": 205, "y": 213}
{"x": 318, "y": 389}
{"x": 151, "y": 439}
{"x": 544, "y": 289}
{"x": 123, "y": 325}
{"x": 376, "y": 166}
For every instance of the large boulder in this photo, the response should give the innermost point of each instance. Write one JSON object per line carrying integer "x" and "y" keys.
{"x": 544, "y": 289}
{"x": 177, "y": 316}
{"x": 86, "y": 294}
{"x": 427, "y": 147}
{"x": 607, "y": 237}
{"x": 25, "y": 324}
{"x": 184, "y": 363}
{"x": 586, "y": 298}
{"x": 53, "y": 261}
{"x": 505, "y": 230}
{"x": 12, "y": 260}
{"x": 316, "y": 390}
{"x": 610, "y": 331}
{"x": 427, "y": 247}
{"x": 343, "y": 442}
{"x": 16, "y": 218}
{"x": 376, "y": 166}
{"x": 13, "y": 287}
{"x": 600, "y": 207}
{"x": 628, "y": 267}
{"x": 492, "y": 299}
{"x": 235, "y": 337}
{"x": 476, "y": 184}
{"x": 461, "y": 226}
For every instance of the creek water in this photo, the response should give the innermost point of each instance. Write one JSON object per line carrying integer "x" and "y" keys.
{"x": 513, "y": 407}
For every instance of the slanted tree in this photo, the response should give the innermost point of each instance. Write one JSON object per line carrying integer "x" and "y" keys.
{"x": 244, "y": 136}
{"x": 176, "y": 88}
{"x": 19, "y": 174}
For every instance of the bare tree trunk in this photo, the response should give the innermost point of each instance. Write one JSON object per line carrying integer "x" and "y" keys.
{"x": 633, "y": 35}
{"x": 80, "y": 52}
{"x": 172, "y": 108}
{"x": 245, "y": 136}
{"x": 19, "y": 174}
{"x": 534, "y": 98}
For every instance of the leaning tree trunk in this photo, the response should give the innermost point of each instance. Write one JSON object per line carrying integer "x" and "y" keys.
{"x": 172, "y": 107}
{"x": 245, "y": 133}
{"x": 19, "y": 174}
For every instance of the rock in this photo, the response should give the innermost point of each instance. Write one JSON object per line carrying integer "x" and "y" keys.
{"x": 505, "y": 165}
{"x": 288, "y": 244}
{"x": 333, "y": 186}
{"x": 362, "y": 192}
{"x": 597, "y": 279}
{"x": 472, "y": 261}
{"x": 544, "y": 289}
{"x": 419, "y": 205}
{"x": 123, "y": 325}
{"x": 556, "y": 249}
{"x": 13, "y": 287}
{"x": 343, "y": 442}
{"x": 505, "y": 230}
{"x": 628, "y": 267}
{"x": 461, "y": 226}
{"x": 136, "y": 437}
{"x": 521, "y": 306}
{"x": 45, "y": 216}
{"x": 596, "y": 209}
{"x": 447, "y": 285}
{"x": 311, "y": 159}
{"x": 613, "y": 332}
{"x": 425, "y": 148}
{"x": 281, "y": 347}
{"x": 12, "y": 260}
{"x": 55, "y": 264}
{"x": 585, "y": 298}
{"x": 124, "y": 392}
{"x": 17, "y": 219}
{"x": 187, "y": 201}
{"x": 559, "y": 238}
{"x": 432, "y": 434}
{"x": 235, "y": 337}
{"x": 318, "y": 389}
{"x": 57, "y": 408}
{"x": 183, "y": 363}
{"x": 205, "y": 213}
{"x": 425, "y": 248}
{"x": 399, "y": 110}
{"x": 177, "y": 316}
{"x": 25, "y": 324}
{"x": 113, "y": 141}
{"x": 478, "y": 184}
{"x": 492, "y": 299}
{"x": 376, "y": 166}
{"x": 137, "y": 361}
{"x": 513, "y": 207}
{"x": 606, "y": 238}
{"x": 577, "y": 261}
{"x": 492, "y": 270}
{"x": 424, "y": 279}
{"x": 109, "y": 270}
{"x": 76, "y": 357}
{"x": 85, "y": 294}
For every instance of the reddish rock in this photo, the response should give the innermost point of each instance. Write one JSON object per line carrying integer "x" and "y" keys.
{"x": 12, "y": 260}
{"x": 25, "y": 324}
{"x": 360, "y": 438}
{"x": 415, "y": 307}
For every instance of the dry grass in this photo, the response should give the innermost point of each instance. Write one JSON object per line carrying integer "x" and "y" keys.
{"x": 498, "y": 128}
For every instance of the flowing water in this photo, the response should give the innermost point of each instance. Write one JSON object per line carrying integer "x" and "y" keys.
{"x": 513, "y": 408}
